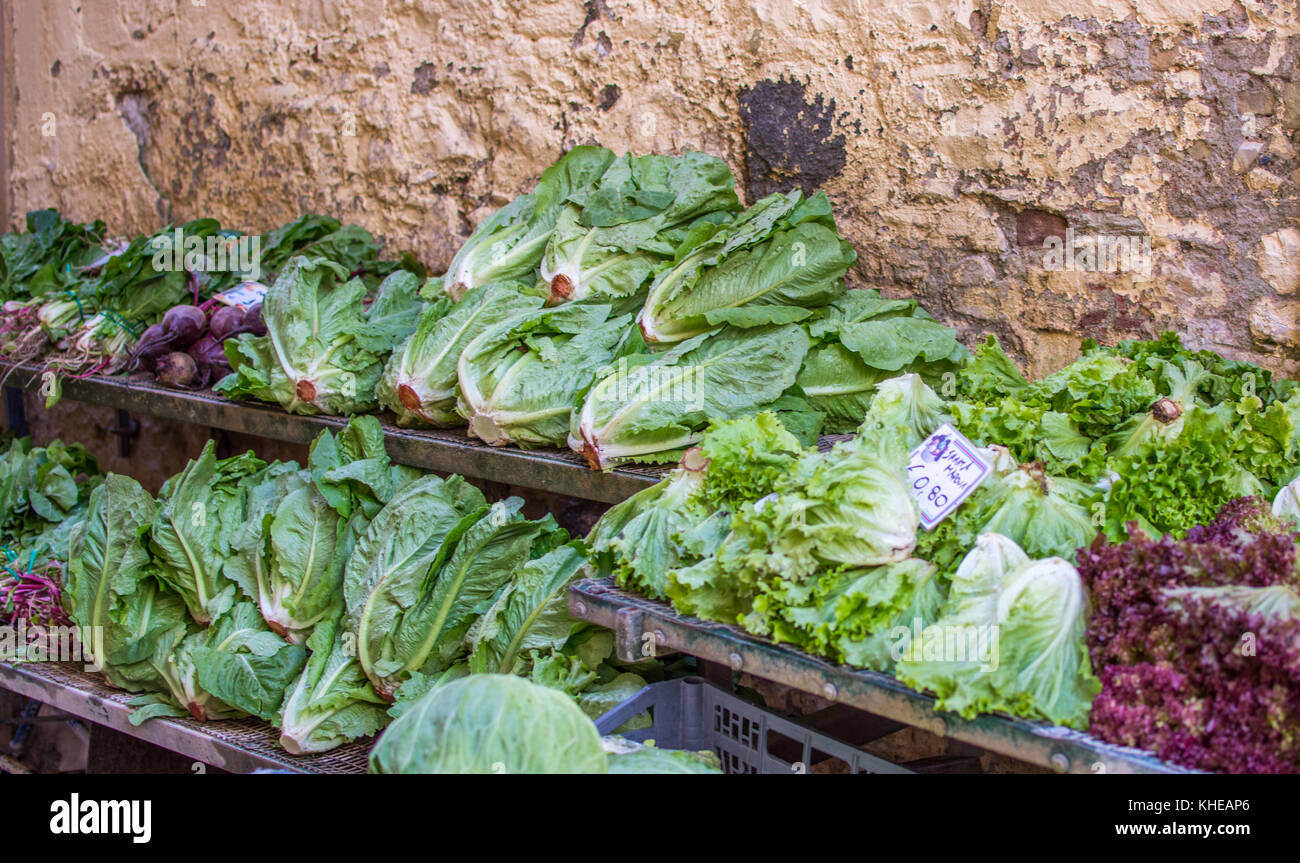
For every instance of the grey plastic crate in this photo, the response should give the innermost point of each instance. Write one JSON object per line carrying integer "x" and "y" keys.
{"x": 690, "y": 713}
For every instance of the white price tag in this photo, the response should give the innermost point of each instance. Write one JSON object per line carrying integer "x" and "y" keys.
{"x": 244, "y": 295}
{"x": 942, "y": 473}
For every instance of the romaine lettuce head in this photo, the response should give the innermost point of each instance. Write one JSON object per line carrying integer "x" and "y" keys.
{"x": 430, "y": 634}
{"x": 531, "y": 613}
{"x": 779, "y": 258}
{"x": 518, "y": 381}
{"x": 490, "y": 723}
{"x": 419, "y": 383}
{"x": 331, "y": 702}
{"x": 1010, "y": 638}
{"x": 309, "y": 544}
{"x": 391, "y": 566}
{"x": 351, "y": 469}
{"x": 252, "y": 561}
{"x": 609, "y": 239}
{"x": 322, "y": 352}
{"x": 508, "y": 246}
{"x": 234, "y": 667}
{"x": 500, "y": 248}
{"x": 199, "y": 511}
{"x": 111, "y": 588}
{"x": 652, "y": 407}
{"x": 239, "y": 661}
{"x": 837, "y": 381}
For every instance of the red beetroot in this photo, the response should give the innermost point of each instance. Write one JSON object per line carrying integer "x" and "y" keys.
{"x": 178, "y": 369}
{"x": 184, "y": 324}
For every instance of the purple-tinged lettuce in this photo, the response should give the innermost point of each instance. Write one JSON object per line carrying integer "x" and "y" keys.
{"x": 1198, "y": 642}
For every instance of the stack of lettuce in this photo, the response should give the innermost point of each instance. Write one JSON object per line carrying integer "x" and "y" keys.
{"x": 818, "y": 549}
{"x": 316, "y": 597}
{"x": 625, "y": 303}
{"x": 822, "y": 549}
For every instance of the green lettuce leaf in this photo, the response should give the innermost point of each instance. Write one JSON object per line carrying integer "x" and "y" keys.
{"x": 419, "y": 384}
{"x": 199, "y": 510}
{"x": 861, "y": 339}
{"x": 782, "y": 251}
{"x": 660, "y": 407}
{"x": 390, "y": 569}
{"x": 111, "y": 589}
{"x": 609, "y": 239}
{"x": 431, "y": 634}
{"x": 639, "y": 540}
{"x": 243, "y": 664}
{"x": 518, "y": 381}
{"x": 234, "y": 667}
{"x": 331, "y": 702}
{"x": 747, "y": 458}
{"x": 531, "y": 613}
{"x": 509, "y": 245}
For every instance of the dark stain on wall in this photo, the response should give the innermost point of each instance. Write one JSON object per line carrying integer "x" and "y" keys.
{"x": 204, "y": 144}
{"x": 609, "y": 96}
{"x": 426, "y": 78}
{"x": 789, "y": 140}
{"x": 1034, "y": 226}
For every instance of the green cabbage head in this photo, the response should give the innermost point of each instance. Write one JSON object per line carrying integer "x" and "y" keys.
{"x": 491, "y": 723}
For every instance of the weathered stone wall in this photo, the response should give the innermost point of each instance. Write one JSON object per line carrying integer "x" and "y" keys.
{"x": 952, "y": 137}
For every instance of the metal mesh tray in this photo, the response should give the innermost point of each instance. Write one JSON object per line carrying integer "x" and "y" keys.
{"x": 237, "y": 745}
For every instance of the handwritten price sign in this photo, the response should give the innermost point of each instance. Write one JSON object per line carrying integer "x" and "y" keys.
{"x": 942, "y": 473}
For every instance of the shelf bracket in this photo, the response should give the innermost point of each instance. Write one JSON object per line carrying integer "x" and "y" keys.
{"x": 127, "y": 430}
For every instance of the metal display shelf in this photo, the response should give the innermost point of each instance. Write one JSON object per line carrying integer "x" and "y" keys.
{"x": 635, "y": 620}
{"x": 451, "y": 451}
{"x": 237, "y": 745}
